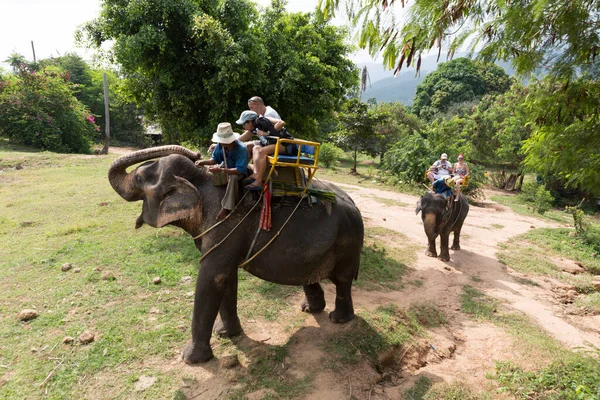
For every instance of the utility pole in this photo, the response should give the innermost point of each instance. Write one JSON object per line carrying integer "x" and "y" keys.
{"x": 107, "y": 118}
{"x": 33, "y": 48}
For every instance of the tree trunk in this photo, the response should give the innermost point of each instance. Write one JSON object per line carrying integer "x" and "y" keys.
{"x": 520, "y": 183}
{"x": 511, "y": 182}
{"x": 107, "y": 119}
{"x": 353, "y": 169}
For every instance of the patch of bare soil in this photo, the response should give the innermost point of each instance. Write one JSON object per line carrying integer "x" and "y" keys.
{"x": 460, "y": 351}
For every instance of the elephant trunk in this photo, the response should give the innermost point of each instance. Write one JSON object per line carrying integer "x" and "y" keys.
{"x": 431, "y": 225}
{"x": 124, "y": 183}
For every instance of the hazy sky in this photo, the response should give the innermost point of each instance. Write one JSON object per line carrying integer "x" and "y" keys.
{"x": 51, "y": 25}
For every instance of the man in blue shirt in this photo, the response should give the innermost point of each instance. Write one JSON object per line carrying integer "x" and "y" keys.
{"x": 231, "y": 158}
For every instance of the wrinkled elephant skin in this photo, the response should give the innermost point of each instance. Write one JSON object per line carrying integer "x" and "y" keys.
{"x": 318, "y": 242}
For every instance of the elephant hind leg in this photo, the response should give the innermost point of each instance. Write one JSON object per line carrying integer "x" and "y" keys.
{"x": 315, "y": 298}
{"x": 456, "y": 240}
{"x": 344, "y": 309}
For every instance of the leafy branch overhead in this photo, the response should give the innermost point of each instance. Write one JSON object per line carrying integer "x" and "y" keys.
{"x": 558, "y": 37}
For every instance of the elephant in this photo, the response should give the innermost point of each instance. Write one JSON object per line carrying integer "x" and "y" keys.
{"x": 320, "y": 241}
{"x": 440, "y": 220}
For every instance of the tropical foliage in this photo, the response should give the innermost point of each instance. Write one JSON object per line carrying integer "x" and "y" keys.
{"x": 534, "y": 35}
{"x": 193, "y": 64}
{"x": 357, "y": 133}
{"x": 88, "y": 84}
{"x": 458, "y": 81}
{"x": 37, "y": 108}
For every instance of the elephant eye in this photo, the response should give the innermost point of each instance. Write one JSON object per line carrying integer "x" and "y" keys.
{"x": 138, "y": 179}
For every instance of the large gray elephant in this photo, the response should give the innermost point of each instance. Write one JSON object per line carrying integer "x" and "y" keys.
{"x": 319, "y": 242}
{"x": 439, "y": 220}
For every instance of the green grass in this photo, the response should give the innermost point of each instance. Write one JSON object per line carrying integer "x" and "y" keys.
{"x": 374, "y": 332}
{"x": 59, "y": 208}
{"x": 563, "y": 374}
{"x": 476, "y": 304}
{"x": 578, "y": 378}
{"x": 385, "y": 257}
{"x": 533, "y": 253}
{"x": 520, "y": 207}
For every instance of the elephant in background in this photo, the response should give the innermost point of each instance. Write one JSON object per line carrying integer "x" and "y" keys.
{"x": 440, "y": 220}
{"x": 319, "y": 242}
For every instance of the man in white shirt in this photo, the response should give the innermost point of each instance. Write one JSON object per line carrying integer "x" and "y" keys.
{"x": 440, "y": 169}
{"x": 257, "y": 105}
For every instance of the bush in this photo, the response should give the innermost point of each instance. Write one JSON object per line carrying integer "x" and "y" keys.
{"x": 409, "y": 158}
{"x": 37, "y": 108}
{"x": 329, "y": 154}
{"x": 536, "y": 197}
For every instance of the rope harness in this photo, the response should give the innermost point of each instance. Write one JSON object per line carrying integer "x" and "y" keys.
{"x": 262, "y": 225}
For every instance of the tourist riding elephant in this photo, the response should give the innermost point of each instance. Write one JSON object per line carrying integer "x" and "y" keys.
{"x": 320, "y": 241}
{"x": 439, "y": 220}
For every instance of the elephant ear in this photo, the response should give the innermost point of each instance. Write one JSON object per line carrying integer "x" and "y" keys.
{"x": 181, "y": 201}
{"x": 418, "y": 206}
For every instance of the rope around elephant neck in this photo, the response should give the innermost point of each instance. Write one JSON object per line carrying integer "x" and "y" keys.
{"x": 234, "y": 228}
{"x": 274, "y": 236}
{"x": 224, "y": 219}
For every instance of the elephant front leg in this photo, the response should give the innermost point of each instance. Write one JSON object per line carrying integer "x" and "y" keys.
{"x": 209, "y": 294}
{"x": 431, "y": 251}
{"x": 444, "y": 253}
{"x": 344, "y": 310}
{"x": 229, "y": 323}
{"x": 315, "y": 298}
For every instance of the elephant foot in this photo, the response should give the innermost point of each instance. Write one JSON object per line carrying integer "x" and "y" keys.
{"x": 429, "y": 253}
{"x": 194, "y": 354}
{"x": 444, "y": 258}
{"x": 312, "y": 307}
{"x": 455, "y": 247}
{"x": 339, "y": 317}
{"x": 229, "y": 330}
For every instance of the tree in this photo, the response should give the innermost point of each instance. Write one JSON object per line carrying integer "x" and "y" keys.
{"x": 564, "y": 144}
{"x": 16, "y": 61}
{"x": 357, "y": 129}
{"x": 37, "y": 108}
{"x": 194, "y": 63}
{"x": 88, "y": 87}
{"x": 561, "y": 38}
{"x": 557, "y": 38}
{"x": 458, "y": 81}
{"x": 398, "y": 125}
{"x": 499, "y": 126}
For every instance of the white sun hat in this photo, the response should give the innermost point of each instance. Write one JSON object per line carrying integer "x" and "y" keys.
{"x": 224, "y": 134}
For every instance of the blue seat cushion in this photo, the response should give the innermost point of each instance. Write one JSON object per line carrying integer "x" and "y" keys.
{"x": 292, "y": 159}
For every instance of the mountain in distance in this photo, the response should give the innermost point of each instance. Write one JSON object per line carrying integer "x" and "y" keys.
{"x": 383, "y": 86}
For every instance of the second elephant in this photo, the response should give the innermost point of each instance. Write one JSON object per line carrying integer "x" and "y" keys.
{"x": 440, "y": 221}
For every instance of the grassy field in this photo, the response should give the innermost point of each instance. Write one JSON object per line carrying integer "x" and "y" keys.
{"x": 60, "y": 209}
